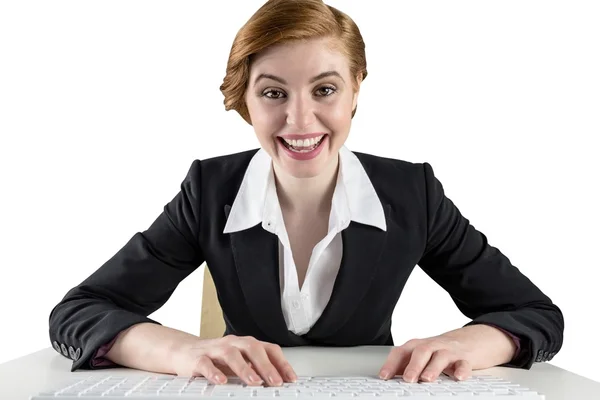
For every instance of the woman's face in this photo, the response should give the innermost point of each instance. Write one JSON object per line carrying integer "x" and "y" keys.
{"x": 300, "y": 100}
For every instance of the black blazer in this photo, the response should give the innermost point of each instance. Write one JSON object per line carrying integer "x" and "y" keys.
{"x": 424, "y": 227}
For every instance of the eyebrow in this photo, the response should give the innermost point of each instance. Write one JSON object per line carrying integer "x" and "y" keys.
{"x": 284, "y": 82}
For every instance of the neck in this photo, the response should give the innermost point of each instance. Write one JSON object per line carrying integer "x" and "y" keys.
{"x": 306, "y": 195}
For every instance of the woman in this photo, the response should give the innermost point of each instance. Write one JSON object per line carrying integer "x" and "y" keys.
{"x": 308, "y": 243}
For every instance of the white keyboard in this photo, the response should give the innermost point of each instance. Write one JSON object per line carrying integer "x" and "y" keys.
{"x": 481, "y": 387}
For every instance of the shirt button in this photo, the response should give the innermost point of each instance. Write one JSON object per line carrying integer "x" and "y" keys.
{"x": 296, "y": 304}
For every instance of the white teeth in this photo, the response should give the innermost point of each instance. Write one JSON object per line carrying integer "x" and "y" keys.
{"x": 304, "y": 143}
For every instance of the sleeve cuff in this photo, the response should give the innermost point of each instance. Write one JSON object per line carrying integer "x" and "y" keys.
{"x": 98, "y": 359}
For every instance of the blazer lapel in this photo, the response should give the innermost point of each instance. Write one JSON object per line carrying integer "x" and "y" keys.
{"x": 256, "y": 257}
{"x": 362, "y": 249}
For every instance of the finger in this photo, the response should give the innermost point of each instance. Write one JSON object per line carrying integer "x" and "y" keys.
{"x": 278, "y": 359}
{"x": 462, "y": 369}
{"x": 439, "y": 361}
{"x": 418, "y": 360}
{"x": 225, "y": 368}
{"x": 397, "y": 359}
{"x": 232, "y": 356}
{"x": 205, "y": 367}
{"x": 256, "y": 353}
{"x": 449, "y": 370}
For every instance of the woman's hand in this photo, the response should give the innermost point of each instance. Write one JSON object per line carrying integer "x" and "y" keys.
{"x": 457, "y": 353}
{"x": 253, "y": 361}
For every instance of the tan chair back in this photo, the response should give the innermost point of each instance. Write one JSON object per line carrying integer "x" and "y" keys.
{"x": 212, "y": 325}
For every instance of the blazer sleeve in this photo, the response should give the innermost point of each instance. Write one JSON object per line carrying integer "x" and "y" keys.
{"x": 134, "y": 283}
{"x": 483, "y": 283}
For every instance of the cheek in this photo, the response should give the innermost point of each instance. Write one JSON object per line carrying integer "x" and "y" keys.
{"x": 263, "y": 115}
{"x": 265, "y": 127}
{"x": 338, "y": 117}
{"x": 262, "y": 121}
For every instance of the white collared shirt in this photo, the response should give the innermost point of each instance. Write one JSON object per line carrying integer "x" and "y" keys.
{"x": 354, "y": 199}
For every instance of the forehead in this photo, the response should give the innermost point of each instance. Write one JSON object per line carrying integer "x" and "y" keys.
{"x": 299, "y": 58}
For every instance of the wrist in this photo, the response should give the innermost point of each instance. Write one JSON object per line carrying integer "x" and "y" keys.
{"x": 488, "y": 345}
{"x": 499, "y": 346}
{"x": 180, "y": 351}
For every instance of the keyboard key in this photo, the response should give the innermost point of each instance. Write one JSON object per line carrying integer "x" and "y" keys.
{"x": 309, "y": 388}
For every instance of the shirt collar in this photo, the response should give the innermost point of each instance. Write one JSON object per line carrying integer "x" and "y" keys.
{"x": 354, "y": 196}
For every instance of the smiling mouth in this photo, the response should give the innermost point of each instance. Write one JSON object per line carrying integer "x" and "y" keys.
{"x": 302, "y": 146}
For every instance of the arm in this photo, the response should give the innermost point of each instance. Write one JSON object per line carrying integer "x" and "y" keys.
{"x": 483, "y": 283}
{"x": 150, "y": 347}
{"x": 135, "y": 282}
{"x": 512, "y": 338}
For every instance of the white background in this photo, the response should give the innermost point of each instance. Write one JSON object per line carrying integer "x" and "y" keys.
{"x": 104, "y": 105}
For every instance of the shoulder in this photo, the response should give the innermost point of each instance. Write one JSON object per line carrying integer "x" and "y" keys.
{"x": 386, "y": 170}
{"x": 219, "y": 176}
{"x": 382, "y": 164}
{"x": 228, "y": 166}
{"x": 395, "y": 179}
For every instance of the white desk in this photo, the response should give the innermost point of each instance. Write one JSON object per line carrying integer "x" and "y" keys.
{"x": 31, "y": 374}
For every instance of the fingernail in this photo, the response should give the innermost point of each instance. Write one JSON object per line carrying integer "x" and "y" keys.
{"x": 219, "y": 378}
{"x": 384, "y": 374}
{"x": 254, "y": 379}
{"x": 273, "y": 381}
{"x": 291, "y": 376}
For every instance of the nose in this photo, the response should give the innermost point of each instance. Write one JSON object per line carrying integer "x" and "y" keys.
{"x": 300, "y": 111}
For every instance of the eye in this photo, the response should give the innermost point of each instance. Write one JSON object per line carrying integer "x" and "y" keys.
{"x": 271, "y": 91}
{"x": 324, "y": 91}
{"x": 330, "y": 88}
